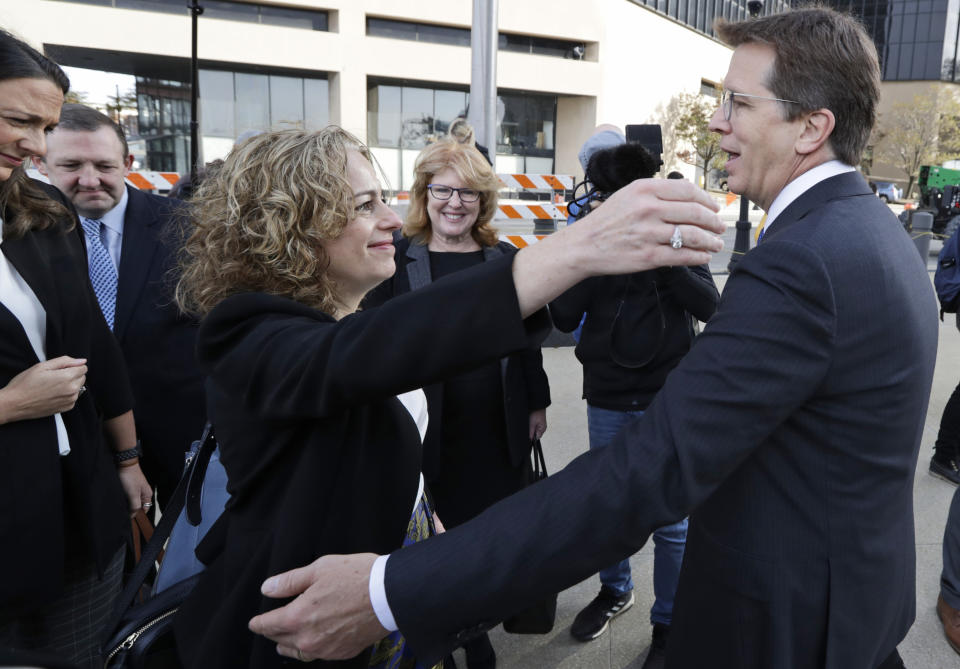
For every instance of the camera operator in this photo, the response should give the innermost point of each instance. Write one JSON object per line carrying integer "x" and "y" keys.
{"x": 637, "y": 328}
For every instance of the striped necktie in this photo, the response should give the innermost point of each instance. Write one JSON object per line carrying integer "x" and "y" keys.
{"x": 103, "y": 274}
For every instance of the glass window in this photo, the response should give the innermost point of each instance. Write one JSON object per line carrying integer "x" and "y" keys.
{"x": 905, "y": 65}
{"x": 448, "y": 106}
{"x": 316, "y": 103}
{"x": 231, "y": 11}
{"x": 166, "y": 6}
{"x": 216, "y": 103}
{"x": 518, "y": 43}
{"x": 395, "y": 29}
{"x": 891, "y": 63}
{"x": 252, "y": 102}
{"x": 294, "y": 18}
{"x": 416, "y": 117}
{"x": 908, "y": 32}
{"x": 286, "y": 102}
{"x": 444, "y": 35}
{"x": 384, "y": 103}
{"x": 551, "y": 47}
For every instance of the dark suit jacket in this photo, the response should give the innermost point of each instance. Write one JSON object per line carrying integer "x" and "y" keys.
{"x": 52, "y": 505}
{"x": 157, "y": 340}
{"x": 789, "y": 433}
{"x": 320, "y": 455}
{"x": 525, "y": 385}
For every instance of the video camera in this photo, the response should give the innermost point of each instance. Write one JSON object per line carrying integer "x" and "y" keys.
{"x": 610, "y": 169}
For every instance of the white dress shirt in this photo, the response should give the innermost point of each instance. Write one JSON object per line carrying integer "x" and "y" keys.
{"x": 416, "y": 403}
{"x": 802, "y": 184}
{"x": 112, "y": 232}
{"x": 18, "y": 297}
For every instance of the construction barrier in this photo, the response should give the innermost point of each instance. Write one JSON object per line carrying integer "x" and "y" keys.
{"x": 161, "y": 182}
{"x": 537, "y": 181}
{"x": 544, "y": 211}
{"x": 521, "y": 241}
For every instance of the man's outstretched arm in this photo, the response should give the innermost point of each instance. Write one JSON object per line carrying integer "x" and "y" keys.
{"x": 762, "y": 355}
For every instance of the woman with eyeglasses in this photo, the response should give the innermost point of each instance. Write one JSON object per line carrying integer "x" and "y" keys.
{"x": 482, "y": 421}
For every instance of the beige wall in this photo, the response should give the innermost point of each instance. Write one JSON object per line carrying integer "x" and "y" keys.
{"x": 636, "y": 59}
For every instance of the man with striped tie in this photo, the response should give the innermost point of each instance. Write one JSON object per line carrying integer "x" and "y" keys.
{"x": 128, "y": 234}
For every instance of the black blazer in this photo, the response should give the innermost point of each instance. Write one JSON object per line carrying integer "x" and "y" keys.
{"x": 789, "y": 434}
{"x": 525, "y": 385}
{"x": 320, "y": 455}
{"x": 157, "y": 340}
{"x": 52, "y": 505}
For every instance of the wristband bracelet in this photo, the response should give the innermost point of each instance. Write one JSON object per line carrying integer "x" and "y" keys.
{"x": 128, "y": 463}
{"x": 129, "y": 454}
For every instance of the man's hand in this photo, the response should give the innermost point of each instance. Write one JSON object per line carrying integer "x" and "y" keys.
{"x": 331, "y": 617}
{"x": 44, "y": 389}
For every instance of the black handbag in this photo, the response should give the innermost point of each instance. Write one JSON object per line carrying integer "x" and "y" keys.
{"x": 140, "y": 635}
{"x": 539, "y": 618}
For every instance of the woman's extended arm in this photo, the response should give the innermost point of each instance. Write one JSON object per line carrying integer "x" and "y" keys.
{"x": 630, "y": 233}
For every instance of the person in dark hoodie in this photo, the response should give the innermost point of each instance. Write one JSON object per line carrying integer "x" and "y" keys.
{"x": 637, "y": 328}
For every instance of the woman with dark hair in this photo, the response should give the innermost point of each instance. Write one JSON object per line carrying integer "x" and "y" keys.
{"x": 317, "y": 405}
{"x": 483, "y": 421}
{"x": 68, "y": 461}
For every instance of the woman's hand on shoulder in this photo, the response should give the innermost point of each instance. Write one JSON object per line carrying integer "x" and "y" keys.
{"x": 44, "y": 389}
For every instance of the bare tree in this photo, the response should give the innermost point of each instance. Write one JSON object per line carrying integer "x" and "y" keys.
{"x": 691, "y": 127}
{"x": 76, "y": 97}
{"x": 923, "y": 131}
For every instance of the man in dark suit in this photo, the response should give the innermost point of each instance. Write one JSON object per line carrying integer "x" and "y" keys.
{"x": 789, "y": 433}
{"x": 131, "y": 239}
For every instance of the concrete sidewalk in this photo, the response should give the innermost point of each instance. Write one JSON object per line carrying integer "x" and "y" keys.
{"x": 625, "y": 643}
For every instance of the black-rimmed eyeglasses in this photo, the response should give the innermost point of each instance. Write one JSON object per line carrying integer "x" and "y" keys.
{"x": 446, "y": 192}
{"x": 726, "y": 101}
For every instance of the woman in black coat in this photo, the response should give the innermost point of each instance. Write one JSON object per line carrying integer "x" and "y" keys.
{"x": 315, "y": 404}
{"x": 64, "y": 497}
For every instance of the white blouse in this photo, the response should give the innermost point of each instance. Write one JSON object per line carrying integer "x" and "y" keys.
{"x": 415, "y": 402}
{"x": 17, "y": 296}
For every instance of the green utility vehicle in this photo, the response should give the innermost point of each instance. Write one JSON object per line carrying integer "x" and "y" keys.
{"x": 940, "y": 195}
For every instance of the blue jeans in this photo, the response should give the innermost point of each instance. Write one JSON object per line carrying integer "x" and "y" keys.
{"x": 668, "y": 542}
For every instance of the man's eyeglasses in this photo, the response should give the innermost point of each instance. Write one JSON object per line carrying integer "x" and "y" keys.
{"x": 726, "y": 101}
{"x": 446, "y": 192}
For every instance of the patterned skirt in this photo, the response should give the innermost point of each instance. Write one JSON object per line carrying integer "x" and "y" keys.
{"x": 392, "y": 651}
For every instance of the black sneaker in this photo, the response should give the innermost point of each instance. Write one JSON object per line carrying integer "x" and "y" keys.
{"x": 593, "y": 620}
{"x": 657, "y": 655}
{"x": 945, "y": 467}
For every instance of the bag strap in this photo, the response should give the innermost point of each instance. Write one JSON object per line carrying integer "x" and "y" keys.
{"x": 539, "y": 464}
{"x": 160, "y": 534}
{"x": 197, "y": 473}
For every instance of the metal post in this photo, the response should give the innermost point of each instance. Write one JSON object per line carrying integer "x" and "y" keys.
{"x": 483, "y": 74}
{"x": 741, "y": 243}
{"x": 195, "y": 11}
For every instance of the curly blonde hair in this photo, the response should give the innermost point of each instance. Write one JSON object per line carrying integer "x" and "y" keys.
{"x": 473, "y": 170}
{"x": 257, "y": 223}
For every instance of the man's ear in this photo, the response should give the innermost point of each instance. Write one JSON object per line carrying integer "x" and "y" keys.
{"x": 817, "y": 127}
{"x": 40, "y": 164}
{"x": 127, "y": 164}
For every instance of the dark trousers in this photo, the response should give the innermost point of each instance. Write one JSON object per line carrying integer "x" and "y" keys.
{"x": 894, "y": 661}
{"x": 948, "y": 438}
{"x": 950, "y": 576}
